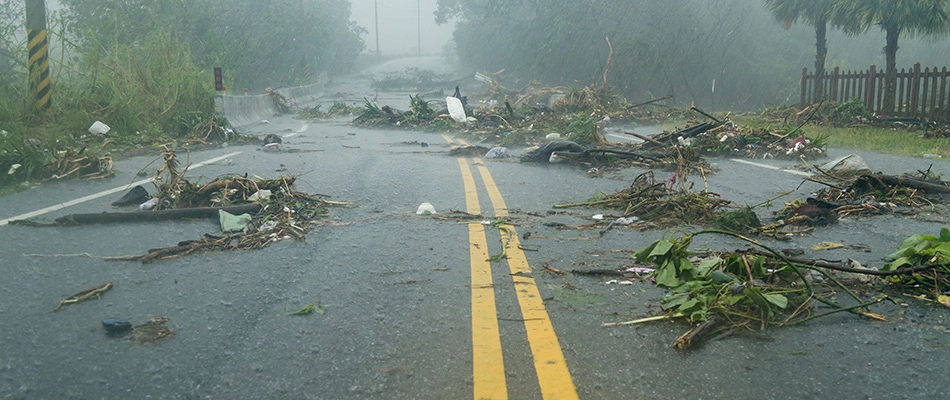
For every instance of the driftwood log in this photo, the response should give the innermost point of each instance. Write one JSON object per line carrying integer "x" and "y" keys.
{"x": 911, "y": 183}
{"x": 162, "y": 215}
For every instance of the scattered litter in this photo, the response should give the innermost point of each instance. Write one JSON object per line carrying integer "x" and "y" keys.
{"x": 456, "y": 109}
{"x": 425, "y": 209}
{"x": 626, "y": 220}
{"x": 149, "y": 204}
{"x": 99, "y": 128}
{"x": 844, "y": 164}
{"x": 543, "y": 153}
{"x": 553, "y": 136}
{"x": 262, "y": 194}
{"x": 826, "y": 246}
{"x": 618, "y": 282}
{"x": 233, "y": 223}
{"x": 272, "y": 138}
{"x": 115, "y": 326}
{"x": 497, "y": 152}
{"x": 84, "y": 295}
{"x": 152, "y": 331}
{"x": 598, "y": 217}
{"x": 13, "y": 169}
{"x": 640, "y": 270}
{"x": 134, "y": 196}
{"x": 272, "y": 147}
{"x": 944, "y": 299}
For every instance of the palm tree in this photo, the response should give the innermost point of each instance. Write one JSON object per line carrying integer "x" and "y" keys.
{"x": 895, "y": 17}
{"x": 815, "y": 13}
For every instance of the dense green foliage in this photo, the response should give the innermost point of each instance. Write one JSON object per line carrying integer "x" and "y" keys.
{"x": 144, "y": 69}
{"x": 261, "y": 44}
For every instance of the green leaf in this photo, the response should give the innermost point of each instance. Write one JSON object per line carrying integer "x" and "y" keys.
{"x": 708, "y": 264}
{"x": 643, "y": 254}
{"x": 662, "y": 248}
{"x": 944, "y": 235}
{"x": 900, "y": 262}
{"x": 780, "y": 300}
{"x": 758, "y": 267}
{"x": 666, "y": 276}
{"x": 673, "y": 300}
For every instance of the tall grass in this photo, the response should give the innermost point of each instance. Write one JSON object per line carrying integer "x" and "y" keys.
{"x": 148, "y": 92}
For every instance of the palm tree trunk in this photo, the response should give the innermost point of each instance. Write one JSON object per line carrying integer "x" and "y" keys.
{"x": 890, "y": 74}
{"x": 820, "y": 54}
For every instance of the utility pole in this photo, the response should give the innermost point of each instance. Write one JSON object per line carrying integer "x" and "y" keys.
{"x": 419, "y": 24}
{"x": 37, "y": 46}
{"x": 376, "y": 9}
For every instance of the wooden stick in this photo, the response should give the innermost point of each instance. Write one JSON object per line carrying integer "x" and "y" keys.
{"x": 84, "y": 295}
{"x": 645, "y": 138}
{"x": 162, "y": 215}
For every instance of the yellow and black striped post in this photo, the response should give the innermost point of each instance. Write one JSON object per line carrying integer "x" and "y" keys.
{"x": 38, "y": 53}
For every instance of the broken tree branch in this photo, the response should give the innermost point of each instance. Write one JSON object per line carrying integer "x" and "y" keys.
{"x": 162, "y": 215}
{"x": 84, "y": 295}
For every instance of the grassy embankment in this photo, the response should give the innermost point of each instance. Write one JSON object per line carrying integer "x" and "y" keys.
{"x": 150, "y": 94}
{"x": 883, "y": 140}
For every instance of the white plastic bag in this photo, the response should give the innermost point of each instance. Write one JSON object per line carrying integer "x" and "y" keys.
{"x": 456, "y": 110}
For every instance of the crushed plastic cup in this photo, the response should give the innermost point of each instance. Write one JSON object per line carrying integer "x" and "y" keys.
{"x": 425, "y": 209}
{"x": 262, "y": 194}
{"x": 99, "y": 128}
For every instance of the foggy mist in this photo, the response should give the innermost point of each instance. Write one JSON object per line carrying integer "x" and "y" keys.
{"x": 399, "y": 21}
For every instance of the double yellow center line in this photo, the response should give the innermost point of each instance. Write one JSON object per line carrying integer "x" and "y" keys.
{"x": 554, "y": 378}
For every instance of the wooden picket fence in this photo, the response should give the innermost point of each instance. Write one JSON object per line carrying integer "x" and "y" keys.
{"x": 920, "y": 94}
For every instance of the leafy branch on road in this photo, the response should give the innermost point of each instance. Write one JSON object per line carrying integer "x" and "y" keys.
{"x": 741, "y": 290}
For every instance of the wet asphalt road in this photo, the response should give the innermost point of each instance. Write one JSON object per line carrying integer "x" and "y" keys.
{"x": 396, "y": 290}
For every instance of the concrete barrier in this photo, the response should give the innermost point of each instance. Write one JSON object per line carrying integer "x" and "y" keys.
{"x": 242, "y": 111}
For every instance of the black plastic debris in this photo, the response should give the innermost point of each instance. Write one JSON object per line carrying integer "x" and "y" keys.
{"x": 543, "y": 154}
{"x": 272, "y": 138}
{"x": 115, "y": 326}
{"x": 134, "y": 196}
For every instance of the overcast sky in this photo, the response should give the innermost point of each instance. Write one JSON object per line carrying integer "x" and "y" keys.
{"x": 398, "y": 26}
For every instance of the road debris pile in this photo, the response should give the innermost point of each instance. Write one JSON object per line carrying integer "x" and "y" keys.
{"x": 73, "y": 164}
{"x": 928, "y": 260}
{"x": 152, "y": 331}
{"x": 864, "y": 193}
{"x": 253, "y": 212}
{"x": 338, "y": 109}
{"x": 519, "y": 118}
{"x": 749, "y": 290}
{"x": 658, "y": 204}
{"x": 724, "y": 138}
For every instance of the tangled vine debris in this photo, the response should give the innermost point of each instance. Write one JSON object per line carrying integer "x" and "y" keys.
{"x": 659, "y": 204}
{"x": 744, "y": 290}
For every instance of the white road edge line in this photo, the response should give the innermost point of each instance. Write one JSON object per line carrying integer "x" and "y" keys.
{"x": 625, "y": 138}
{"x": 772, "y": 167}
{"x": 105, "y": 193}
